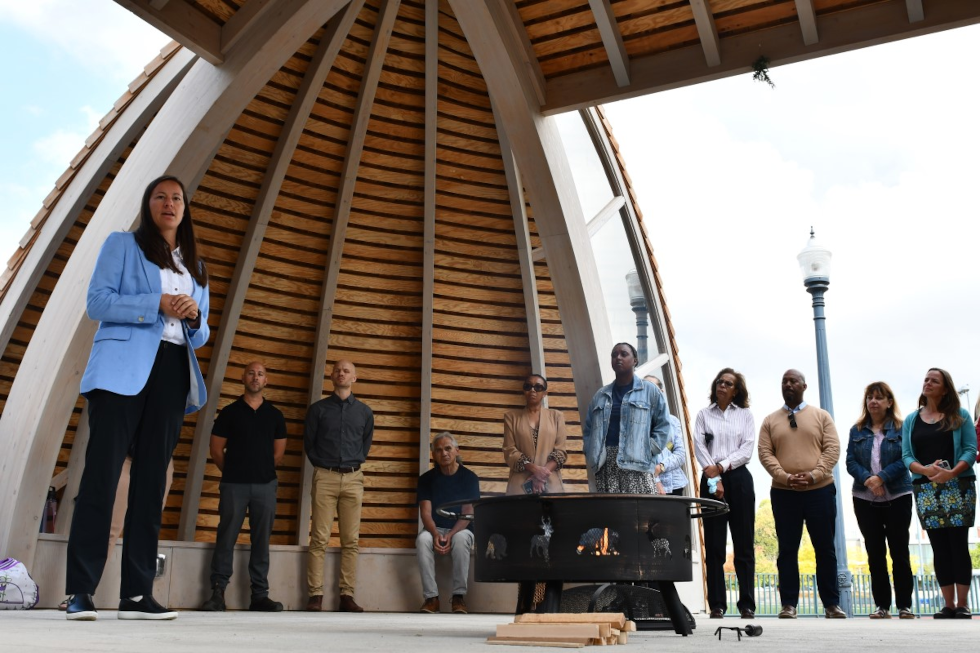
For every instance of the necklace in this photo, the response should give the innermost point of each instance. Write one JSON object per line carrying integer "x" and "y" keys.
{"x": 932, "y": 419}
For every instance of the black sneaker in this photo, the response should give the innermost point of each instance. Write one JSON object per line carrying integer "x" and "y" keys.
{"x": 265, "y": 604}
{"x": 81, "y": 607}
{"x": 217, "y": 601}
{"x": 146, "y": 608}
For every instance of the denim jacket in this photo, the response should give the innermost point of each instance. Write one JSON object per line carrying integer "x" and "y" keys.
{"x": 893, "y": 470}
{"x": 644, "y": 428}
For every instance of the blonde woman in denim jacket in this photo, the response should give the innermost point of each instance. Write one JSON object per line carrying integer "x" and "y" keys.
{"x": 882, "y": 495}
{"x": 626, "y": 426}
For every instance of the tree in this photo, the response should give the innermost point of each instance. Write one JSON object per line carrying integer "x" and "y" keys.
{"x": 766, "y": 543}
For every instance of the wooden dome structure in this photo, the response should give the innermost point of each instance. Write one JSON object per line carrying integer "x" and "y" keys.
{"x": 381, "y": 181}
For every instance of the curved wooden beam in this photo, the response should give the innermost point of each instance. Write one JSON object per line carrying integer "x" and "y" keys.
{"x": 345, "y": 195}
{"x": 180, "y": 140}
{"x": 518, "y": 207}
{"x": 429, "y": 225}
{"x": 59, "y": 222}
{"x": 316, "y": 74}
{"x": 540, "y": 156}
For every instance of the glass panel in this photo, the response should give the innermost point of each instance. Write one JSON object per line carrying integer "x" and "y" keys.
{"x": 613, "y": 256}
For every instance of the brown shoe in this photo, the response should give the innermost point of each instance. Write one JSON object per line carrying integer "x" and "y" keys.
{"x": 717, "y": 613}
{"x": 459, "y": 604}
{"x": 431, "y": 606}
{"x": 788, "y": 612}
{"x": 834, "y": 612}
{"x": 315, "y": 603}
{"x": 347, "y": 604}
{"x": 747, "y": 613}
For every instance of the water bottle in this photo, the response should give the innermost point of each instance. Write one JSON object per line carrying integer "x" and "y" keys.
{"x": 50, "y": 512}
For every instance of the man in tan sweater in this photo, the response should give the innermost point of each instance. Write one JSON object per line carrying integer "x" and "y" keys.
{"x": 798, "y": 446}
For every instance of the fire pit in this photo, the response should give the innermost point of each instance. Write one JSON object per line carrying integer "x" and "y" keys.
{"x": 589, "y": 537}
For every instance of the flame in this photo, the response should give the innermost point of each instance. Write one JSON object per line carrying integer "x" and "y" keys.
{"x": 601, "y": 546}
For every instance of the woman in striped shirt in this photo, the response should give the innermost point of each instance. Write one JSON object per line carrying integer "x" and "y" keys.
{"x": 724, "y": 438}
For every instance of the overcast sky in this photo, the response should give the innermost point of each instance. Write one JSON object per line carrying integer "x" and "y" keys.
{"x": 876, "y": 149}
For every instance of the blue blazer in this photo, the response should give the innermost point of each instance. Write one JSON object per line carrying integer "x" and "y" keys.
{"x": 124, "y": 296}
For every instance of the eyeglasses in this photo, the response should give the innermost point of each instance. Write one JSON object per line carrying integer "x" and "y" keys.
{"x": 724, "y": 383}
{"x": 537, "y": 387}
{"x": 709, "y": 438}
{"x": 792, "y": 421}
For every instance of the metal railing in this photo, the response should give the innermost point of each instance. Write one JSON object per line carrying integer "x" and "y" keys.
{"x": 926, "y": 596}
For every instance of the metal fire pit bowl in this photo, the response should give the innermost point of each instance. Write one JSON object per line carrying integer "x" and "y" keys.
{"x": 577, "y": 538}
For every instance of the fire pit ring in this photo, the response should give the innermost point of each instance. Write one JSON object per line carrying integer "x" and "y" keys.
{"x": 578, "y": 537}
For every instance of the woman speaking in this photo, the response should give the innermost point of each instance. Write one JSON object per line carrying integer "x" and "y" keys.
{"x": 149, "y": 292}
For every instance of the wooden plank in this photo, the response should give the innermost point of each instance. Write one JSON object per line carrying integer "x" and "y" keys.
{"x": 615, "y": 619}
{"x": 554, "y": 643}
{"x": 612, "y": 40}
{"x": 546, "y": 630}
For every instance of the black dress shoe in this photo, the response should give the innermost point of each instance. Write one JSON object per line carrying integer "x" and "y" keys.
{"x": 146, "y": 608}
{"x": 747, "y": 613}
{"x": 717, "y": 613}
{"x": 265, "y": 604}
{"x": 81, "y": 607}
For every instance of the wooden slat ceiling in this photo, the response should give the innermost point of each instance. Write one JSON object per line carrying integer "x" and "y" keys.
{"x": 481, "y": 329}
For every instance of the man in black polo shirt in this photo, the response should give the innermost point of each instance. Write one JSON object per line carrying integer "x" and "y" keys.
{"x": 248, "y": 441}
{"x": 448, "y": 481}
{"x": 337, "y": 438}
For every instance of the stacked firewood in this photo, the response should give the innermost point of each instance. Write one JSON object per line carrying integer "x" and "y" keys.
{"x": 565, "y": 630}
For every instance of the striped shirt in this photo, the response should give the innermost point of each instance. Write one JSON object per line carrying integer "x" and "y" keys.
{"x": 733, "y": 432}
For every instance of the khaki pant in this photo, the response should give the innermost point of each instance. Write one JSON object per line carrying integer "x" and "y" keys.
{"x": 335, "y": 495}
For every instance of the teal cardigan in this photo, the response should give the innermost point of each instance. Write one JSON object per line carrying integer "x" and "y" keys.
{"x": 964, "y": 444}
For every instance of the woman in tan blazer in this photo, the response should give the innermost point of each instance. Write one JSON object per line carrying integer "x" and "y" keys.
{"x": 534, "y": 442}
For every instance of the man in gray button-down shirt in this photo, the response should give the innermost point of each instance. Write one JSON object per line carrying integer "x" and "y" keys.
{"x": 337, "y": 438}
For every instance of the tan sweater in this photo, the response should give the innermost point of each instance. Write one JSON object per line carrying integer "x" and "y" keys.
{"x": 811, "y": 447}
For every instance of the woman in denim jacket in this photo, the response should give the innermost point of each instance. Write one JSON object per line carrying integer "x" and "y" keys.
{"x": 882, "y": 497}
{"x": 626, "y": 426}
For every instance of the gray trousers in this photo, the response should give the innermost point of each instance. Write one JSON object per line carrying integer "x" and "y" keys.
{"x": 462, "y": 544}
{"x": 259, "y": 499}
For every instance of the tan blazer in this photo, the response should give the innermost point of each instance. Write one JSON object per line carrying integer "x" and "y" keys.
{"x": 518, "y": 440}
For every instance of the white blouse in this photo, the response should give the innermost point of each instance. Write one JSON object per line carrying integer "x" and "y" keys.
{"x": 175, "y": 284}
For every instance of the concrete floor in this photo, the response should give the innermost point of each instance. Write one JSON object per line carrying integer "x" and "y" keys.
{"x": 242, "y": 632}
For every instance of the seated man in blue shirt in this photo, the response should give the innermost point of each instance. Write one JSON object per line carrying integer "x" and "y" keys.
{"x": 448, "y": 481}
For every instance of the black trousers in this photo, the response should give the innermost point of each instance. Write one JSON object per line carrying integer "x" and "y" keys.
{"x": 887, "y": 523}
{"x": 259, "y": 500}
{"x": 740, "y": 495}
{"x": 148, "y": 424}
{"x": 818, "y": 510}
{"x": 951, "y": 555}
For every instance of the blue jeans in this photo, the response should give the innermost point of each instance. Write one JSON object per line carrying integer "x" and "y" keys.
{"x": 791, "y": 509}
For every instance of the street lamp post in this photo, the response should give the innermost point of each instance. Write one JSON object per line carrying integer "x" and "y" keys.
{"x": 638, "y": 302}
{"x": 815, "y": 264}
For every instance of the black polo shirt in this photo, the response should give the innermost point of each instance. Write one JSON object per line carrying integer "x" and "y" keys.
{"x": 249, "y": 456}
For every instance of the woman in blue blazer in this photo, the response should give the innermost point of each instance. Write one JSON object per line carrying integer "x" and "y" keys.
{"x": 939, "y": 447}
{"x": 149, "y": 292}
